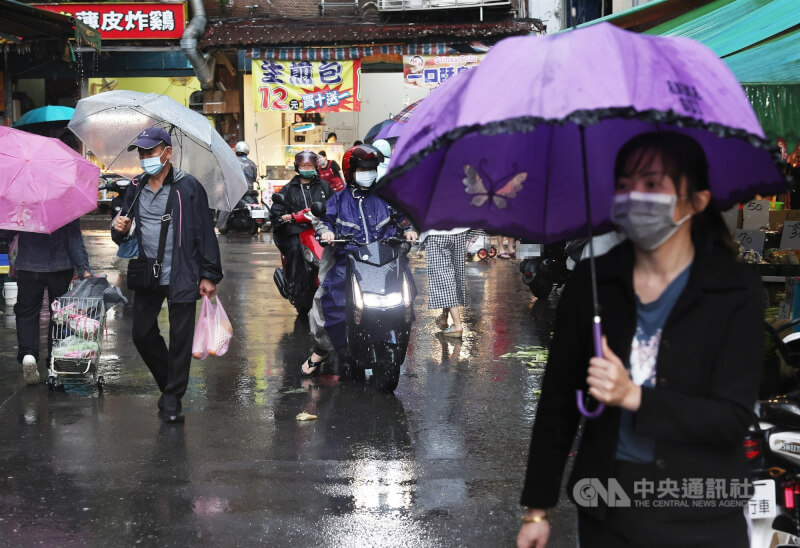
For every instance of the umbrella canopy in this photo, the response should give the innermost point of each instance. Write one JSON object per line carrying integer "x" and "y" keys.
{"x": 49, "y": 113}
{"x": 399, "y": 122}
{"x": 374, "y": 130}
{"x": 108, "y": 122}
{"x": 509, "y": 158}
{"x": 44, "y": 184}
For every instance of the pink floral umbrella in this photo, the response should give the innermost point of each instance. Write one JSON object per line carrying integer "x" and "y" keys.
{"x": 44, "y": 184}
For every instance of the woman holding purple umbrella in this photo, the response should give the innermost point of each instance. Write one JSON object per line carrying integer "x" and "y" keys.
{"x": 664, "y": 464}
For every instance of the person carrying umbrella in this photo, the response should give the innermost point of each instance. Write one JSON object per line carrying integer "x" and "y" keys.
{"x": 191, "y": 265}
{"x": 679, "y": 372}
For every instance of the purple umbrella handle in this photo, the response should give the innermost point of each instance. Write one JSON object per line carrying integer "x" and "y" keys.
{"x": 597, "y": 335}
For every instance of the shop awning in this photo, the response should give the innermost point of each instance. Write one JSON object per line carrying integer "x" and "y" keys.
{"x": 352, "y": 52}
{"x": 324, "y": 32}
{"x": 29, "y": 25}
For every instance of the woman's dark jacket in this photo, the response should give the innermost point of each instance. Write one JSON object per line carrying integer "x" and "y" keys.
{"x": 298, "y": 197}
{"x": 195, "y": 251}
{"x": 708, "y": 370}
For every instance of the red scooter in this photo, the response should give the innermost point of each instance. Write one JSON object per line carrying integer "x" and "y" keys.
{"x": 302, "y": 296}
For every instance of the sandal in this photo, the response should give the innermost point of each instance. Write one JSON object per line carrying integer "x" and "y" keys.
{"x": 311, "y": 365}
{"x": 441, "y": 324}
{"x": 450, "y": 332}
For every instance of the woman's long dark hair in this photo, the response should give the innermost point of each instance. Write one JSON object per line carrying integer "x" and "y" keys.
{"x": 681, "y": 156}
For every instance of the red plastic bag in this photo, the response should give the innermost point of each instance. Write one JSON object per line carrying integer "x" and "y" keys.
{"x": 213, "y": 332}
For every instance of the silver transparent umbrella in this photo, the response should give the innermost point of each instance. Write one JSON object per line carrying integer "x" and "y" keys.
{"x": 108, "y": 122}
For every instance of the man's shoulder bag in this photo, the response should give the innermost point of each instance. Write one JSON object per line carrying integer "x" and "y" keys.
{"x": 143, "y": 272}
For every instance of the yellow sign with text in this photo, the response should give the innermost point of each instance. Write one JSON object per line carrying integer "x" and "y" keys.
{"x": 307, "y": 86}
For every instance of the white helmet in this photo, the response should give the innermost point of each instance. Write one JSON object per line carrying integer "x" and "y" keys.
{"x": 242, "y": 148}
{"x": 385, "y": 148}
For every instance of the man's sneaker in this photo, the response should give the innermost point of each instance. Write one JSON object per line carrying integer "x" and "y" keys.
{"x": 30, "y": 369}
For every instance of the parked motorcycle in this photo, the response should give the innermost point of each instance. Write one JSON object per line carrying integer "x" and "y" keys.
{"x": 379, "y": 305}
{"x": 248, "y": 216}
{"x": 113, "y": 183}
{"x": 551, "y": 269}
{"x": 302, "y": 297}
{"x": 772, "y": 448}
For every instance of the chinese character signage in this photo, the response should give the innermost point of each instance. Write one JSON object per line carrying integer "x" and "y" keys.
{"x": 428, "y": 71}
{"x": 307, "y": 86}
{"x": 141, "y": 21}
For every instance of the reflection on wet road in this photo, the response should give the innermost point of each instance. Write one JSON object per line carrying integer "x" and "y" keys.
{"x": 439, "y": 463}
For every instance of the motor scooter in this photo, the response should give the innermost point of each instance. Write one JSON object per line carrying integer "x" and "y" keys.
{"x": 550, "y": 270}
{"x": 117, "y": 184}
{"x": 248, "y": 216}
{"x": 379, "y": 305}
{"x": 302, "y": 296}
{"x": 772, "y": 449}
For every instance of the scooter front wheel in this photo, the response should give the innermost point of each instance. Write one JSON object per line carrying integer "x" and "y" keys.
{"x": 387, "y": 373}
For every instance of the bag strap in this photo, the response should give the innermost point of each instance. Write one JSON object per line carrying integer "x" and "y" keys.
{"x": 162, "y": 239}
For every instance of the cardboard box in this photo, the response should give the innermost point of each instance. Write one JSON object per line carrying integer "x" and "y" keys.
{"x": 776, "y": 219}
{"x": 221, "y": 102}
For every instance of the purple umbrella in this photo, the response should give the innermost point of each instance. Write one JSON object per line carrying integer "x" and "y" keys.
{"x": 398, "y": 122}
{"x": 525, "y": 143}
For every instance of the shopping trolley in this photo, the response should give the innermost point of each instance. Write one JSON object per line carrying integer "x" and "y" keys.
{"x": 77, "y": 327}
{"x": 479, "y": 243}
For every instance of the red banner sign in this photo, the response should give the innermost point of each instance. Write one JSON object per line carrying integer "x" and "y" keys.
{"x": 141, "y": 21}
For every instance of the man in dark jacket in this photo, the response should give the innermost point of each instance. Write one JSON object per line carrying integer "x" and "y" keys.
{"x": 191, "y": 264}
{"x": 302, "y": 191}
{"x": 250, "y": 171}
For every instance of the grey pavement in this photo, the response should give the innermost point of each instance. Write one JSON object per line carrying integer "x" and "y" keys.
{"x": 438, "y": 464}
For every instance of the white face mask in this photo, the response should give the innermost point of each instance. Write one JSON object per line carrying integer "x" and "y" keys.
{"x": 647, "y": 219}
{"x": 365, "y": 179}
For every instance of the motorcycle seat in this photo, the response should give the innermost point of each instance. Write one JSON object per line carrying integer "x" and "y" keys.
{"x": 782, "y": 410}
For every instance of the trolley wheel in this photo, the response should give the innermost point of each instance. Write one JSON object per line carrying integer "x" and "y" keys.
{"x": 482, "y": 254}
{"x": 51, "y": 382}
{"x": 493, "y": 252}
{"x": 101, "y": 383}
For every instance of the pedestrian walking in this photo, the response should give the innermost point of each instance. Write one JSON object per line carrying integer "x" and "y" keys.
{"x": 48, "y": 261}
{"x": 172, "y": 225}
{"x": 445, "y": 252}
{"x": 679, "y": 374}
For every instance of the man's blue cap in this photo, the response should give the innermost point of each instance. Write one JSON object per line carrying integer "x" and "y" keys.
{"x": 150, "y": 138}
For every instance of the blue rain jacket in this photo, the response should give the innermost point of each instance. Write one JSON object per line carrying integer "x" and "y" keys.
{"x": 368, "y": 218}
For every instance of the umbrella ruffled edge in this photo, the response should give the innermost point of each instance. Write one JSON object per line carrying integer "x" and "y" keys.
{"x": 584, "y": 118}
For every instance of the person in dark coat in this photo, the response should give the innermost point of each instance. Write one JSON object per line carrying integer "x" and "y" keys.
{"x": 679, "y": 374}
{"x": 44, "y": 261}
{"x": 191, "y": 267}
{"x": 303, "y": 190}
{"x": 250, "y": 171}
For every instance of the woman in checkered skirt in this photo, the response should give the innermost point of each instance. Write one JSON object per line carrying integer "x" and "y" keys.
{"x": 444, "y": 255}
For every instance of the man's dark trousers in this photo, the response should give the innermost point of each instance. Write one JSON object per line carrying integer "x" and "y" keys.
{"x": 170, "y": 367}
{"x": 295, "y": 262}
{"x": 29, "y": 305}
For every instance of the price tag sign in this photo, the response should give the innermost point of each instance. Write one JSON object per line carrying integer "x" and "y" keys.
{"x": 755, "y": 215}
{"x": 751, "y": 239}
{"x": 791, "y": 235}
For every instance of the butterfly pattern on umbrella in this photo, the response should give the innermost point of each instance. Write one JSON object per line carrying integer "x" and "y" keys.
{"x": 498, "y": 195}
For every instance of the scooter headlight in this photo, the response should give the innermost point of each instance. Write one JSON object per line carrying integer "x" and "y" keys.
{"x": 406, "y": 291}
{"x": 309, "y": 256}
{"x": 375, "y": 300}
{"x": 358, "y": 301}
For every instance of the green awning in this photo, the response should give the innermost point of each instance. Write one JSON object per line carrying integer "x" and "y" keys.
{"x": 778, "y": 110}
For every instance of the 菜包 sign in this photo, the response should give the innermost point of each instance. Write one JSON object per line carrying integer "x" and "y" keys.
{"x": 140, "y": 21}
{"x": 428, "y": 71}
{"x": 307, "y": 86}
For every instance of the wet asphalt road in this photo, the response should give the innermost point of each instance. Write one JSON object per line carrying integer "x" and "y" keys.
{"x": 438, "y": 464}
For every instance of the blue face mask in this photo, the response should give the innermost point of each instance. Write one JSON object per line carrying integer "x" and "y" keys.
{"x": 153, "y": 166}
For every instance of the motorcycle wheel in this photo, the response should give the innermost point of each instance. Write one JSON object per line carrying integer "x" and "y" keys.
{"x": 223, "y": 231}
{"x": 253, "y": 228}
{"x": 387, "y": 374}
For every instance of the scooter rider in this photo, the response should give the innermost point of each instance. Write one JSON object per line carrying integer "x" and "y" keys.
{"x": 356, "y": 212}
{"x": 250, "y": 174}
{"x": 303, "y": 190}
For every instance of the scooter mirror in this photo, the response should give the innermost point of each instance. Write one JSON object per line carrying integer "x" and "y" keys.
{"x": 318, "y": 209}
{"x": 278, "y": 199}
